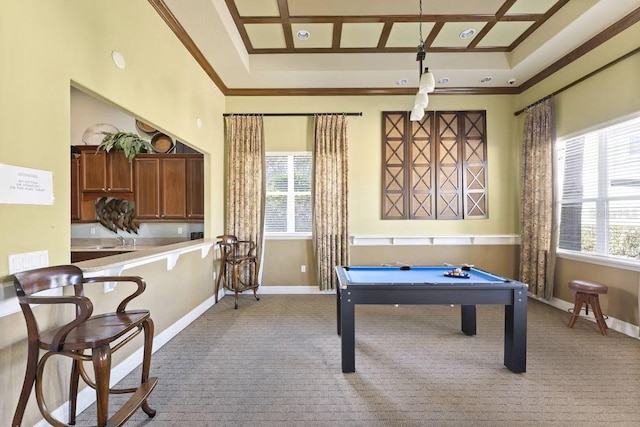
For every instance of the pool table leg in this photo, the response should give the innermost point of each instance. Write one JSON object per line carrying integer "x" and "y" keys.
{"x": 515, "y": 332}
{"x": 468, "y": 314}
{"x": 338, "y": 322}
{"x": 347, "y": 333}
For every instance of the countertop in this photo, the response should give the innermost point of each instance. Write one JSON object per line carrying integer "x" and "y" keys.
{"x": 115, "y": 245}
{"x": 141, "y": 254}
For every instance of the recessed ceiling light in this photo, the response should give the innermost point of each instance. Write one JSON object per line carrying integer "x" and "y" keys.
{"x": 303, "y": 35}
{"x": 468, "y": 33}
{"x": 443, "y": 80}
{"x": 486, "y": 79}
{"x": 402, "y": 82}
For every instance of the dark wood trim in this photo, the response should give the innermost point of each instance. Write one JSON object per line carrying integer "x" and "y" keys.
{"x": 583, "y": 78}
{"x": 583, "y": 49}
{"x": 594, "y": 42}
{"x": 396, "y": 18}
{"x": 489, "y": 25}
{"x": 337, "y": 28}
{"x": 188, "y": 43}
{"x": 538, "y": 23}
{"x": 432, "y": 36}
{"x": 337, "y": 35}
{"x": 369, "y": 91}
{"x": 384, "y": 35}
{"x": 505, "y": 8}
{"x": 477, "y": 39}
{"x": 235, "y": 15}
{"x": 283, "y": 9}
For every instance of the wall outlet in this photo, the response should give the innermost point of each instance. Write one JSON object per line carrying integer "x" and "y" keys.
{"x": 180, "y": 230}
{"x": 303, "y": 268}
{"x": 93, "y": 231}
{"x": 28, "y": 261}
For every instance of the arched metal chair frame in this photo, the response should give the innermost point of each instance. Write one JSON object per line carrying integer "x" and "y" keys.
{"x": 86, "y": 338}
{"x": 236, "y": 256}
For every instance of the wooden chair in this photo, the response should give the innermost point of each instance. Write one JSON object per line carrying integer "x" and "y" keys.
{"x": 239, "y": 261}
{"x": 86, "y": 338}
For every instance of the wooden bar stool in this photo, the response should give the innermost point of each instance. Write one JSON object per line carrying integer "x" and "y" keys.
{"x": 587, "y": 294}
{"x": 239, "y": 260}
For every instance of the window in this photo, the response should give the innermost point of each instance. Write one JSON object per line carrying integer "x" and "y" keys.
{"x": 288, "y": 199}
{"x": 599, "y": 183}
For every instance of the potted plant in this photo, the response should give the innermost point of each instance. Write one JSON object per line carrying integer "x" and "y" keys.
{"x": 128, "y": 142}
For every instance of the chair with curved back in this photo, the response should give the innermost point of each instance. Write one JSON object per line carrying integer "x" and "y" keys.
{"x": 86, "y": 338}
{"x": 238, "y": 266}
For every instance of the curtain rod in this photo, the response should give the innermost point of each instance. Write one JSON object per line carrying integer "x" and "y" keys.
{"x": 581, "y": 79}
{"x": 287, "y": 114}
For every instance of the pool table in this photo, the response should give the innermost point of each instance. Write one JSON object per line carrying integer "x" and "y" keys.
{"x": 431, "y": 285}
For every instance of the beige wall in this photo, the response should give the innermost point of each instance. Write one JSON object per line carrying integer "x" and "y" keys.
{"x": 47, "y": 47}
{"x": 365, "y": 153}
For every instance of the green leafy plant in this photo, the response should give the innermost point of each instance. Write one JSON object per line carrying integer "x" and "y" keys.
{"x": 128, "y": 142}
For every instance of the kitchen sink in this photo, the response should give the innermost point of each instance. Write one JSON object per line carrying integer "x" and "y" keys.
{"x": 102, "y": 247}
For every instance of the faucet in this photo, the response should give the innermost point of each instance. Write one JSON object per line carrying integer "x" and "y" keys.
{"x": 119, "y": 237}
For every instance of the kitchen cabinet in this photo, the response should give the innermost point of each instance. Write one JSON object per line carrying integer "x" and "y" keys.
{"x": 102, "y": 172}
{"x": 160, "y": 187}
{"x": 195, "y": 187}
{"x": 81, "y": 210}
{"x": 165, "y": 187}
{"x": 75, "y": 189}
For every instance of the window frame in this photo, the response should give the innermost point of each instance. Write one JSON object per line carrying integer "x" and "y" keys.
{"x": 601, "y": 228}
{"x": 291, "y": 193}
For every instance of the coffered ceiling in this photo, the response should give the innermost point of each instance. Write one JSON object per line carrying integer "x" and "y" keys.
{"x": 370, "y": 46}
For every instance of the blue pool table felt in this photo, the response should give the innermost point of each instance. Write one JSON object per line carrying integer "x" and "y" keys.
{"x": 418, "y": 274}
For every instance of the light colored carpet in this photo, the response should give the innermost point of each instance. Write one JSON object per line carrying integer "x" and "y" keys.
{"x": 276, "y": 362}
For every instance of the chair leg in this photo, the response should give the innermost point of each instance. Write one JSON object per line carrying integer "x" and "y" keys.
{"x": 73, "y": 391}
{"x": 146, "y": 362}
{"x": 581, "y": 298}
{"x": 235, "y": 284}
{"x": 255, "y": 281}
{"x": 29, "y": 378}
{"x": 101, "y": 357}
{"x": 594, "y": 301}
{"x": 222, "y": 273}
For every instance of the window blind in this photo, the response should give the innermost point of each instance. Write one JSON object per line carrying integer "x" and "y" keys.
{"x": 599, "y": 189}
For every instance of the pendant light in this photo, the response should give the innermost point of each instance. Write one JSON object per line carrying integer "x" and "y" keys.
{"x": 427, "y": 82}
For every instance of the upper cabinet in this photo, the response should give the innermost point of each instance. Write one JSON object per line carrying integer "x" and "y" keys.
{"x": 103, "y": 172}
{"x": 167, "y": 187}
{"x": 75, "y": 189}
{"x": 195, "y": 187}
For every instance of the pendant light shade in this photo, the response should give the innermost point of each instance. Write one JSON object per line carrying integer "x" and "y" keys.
{"x": 427, "y": 82}
{"x": 422, "y": 100}
{"x": 416, "y": 114}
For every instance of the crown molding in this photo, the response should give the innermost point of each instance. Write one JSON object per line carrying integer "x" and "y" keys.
{"x": 581, "y": 50}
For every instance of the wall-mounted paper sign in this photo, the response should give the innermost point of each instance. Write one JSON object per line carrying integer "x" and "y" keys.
{"x": 25, "y": 186}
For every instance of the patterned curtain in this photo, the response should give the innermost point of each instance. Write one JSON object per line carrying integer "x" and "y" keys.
{"x": 330, "y": 211}
{"x": 539, "y": 224}
{"x": 245, "y": 179}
